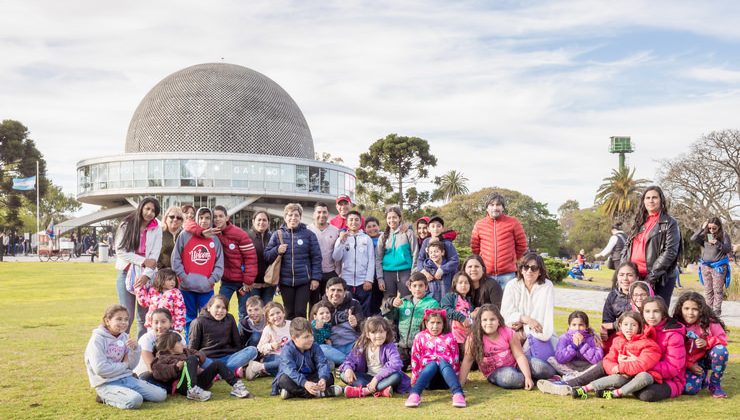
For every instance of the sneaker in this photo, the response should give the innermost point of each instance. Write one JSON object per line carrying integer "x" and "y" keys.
{"x": 578, "y": 393}
{"x": 606, "y": 394}
{"x": 553, "y": 388}
{"x": 717, "y": 391}
{"x": 413, "y": 400}
{"x": 386, "y": 392}
{"x": 98, "y": 399}
{"x": 197, "y": 394}
{"x": 353, "y": 392}
{"x": 335, "y": 391}
{"x": 253, "y": 370}
{"x": 458, "y": 400}
{"x": 284, "y": 394}
{"x": 239, "y": 390}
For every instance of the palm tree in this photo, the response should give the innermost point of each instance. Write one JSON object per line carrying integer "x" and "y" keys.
{"x": 619, "y": 196}
{"x": 451, "y": 184}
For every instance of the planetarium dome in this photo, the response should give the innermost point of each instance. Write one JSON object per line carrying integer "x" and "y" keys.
{"x": 219, "y": 108}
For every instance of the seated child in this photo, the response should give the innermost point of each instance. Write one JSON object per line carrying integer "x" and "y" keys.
{"x": 167, "y": 295}
{"x": 374, "y": 365}
{"x": 161, "y": 323}
{"x": 175, "y": 362}
{"x": 629, "y": 362}
{"x": 275, "y": 336}
{"x": 252, "y": 325}
{"x": 409, "y": 311}
{"x": 435, "y": 360}
{"x": 499, "y": 353}
{"x": 459, "y": 307}
{"x": 304, "y": 371}
{"x": 110, "y": 357}
{"x": 578, "y": 349}
{"x": 706, "y": 344}
{"x": 321, "y": 324}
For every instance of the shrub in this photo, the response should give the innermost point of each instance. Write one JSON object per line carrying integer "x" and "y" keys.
{"x": 556, "y": 269}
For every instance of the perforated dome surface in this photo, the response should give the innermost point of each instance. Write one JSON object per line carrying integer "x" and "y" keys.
{"x": 223, "y": 108}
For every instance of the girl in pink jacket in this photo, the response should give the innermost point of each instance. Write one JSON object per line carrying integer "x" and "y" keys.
{"x": 706, "y": 345}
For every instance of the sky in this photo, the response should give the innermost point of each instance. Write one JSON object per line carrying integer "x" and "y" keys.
{"x": 517, "y": 94}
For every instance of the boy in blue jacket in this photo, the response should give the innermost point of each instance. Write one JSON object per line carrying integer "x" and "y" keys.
{"x": 304, "y": 371}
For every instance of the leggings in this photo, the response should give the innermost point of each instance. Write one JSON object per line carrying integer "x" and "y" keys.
{"x": 626, "y": 384}
{"x": 713, "y": 365}
{"x": 190, "y": 376}
{"x": 295, "y": 300}
{"x": 587, "y": 376}
{"x": 654, "y": 392}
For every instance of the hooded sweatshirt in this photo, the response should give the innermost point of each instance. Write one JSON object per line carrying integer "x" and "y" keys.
{"x": 198, "y": 262}
{"x": 213, "y": 337}
{"x": 104, "y": 357}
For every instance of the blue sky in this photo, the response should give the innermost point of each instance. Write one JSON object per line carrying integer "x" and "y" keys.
{"x": 522, "y": 95}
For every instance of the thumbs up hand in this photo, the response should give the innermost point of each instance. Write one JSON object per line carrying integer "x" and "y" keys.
{"x": 397, "y": 302}
{"x": 352, "y": 319}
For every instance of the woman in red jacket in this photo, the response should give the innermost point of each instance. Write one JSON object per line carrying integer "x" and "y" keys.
{"x": 633, "y": 354}
{"x": 669, "y": 334}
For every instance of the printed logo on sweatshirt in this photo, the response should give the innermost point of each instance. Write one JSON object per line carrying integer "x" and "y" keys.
{"x": 200, "y": 254}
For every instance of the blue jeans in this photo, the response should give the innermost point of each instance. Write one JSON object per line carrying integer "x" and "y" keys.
{"x": 433, "y": 369}
{"x": 235, "y": 360}
{"x": 512, "y": 378}
{"x": 129, "y": 301}
{"x": 272, "y": 364}
{"x": 503, "y": 279}
{"x": 193, "y": 303}
{"x": 336, "y": 354}
{"x": 265, "y": 293}
{"x": 129, "y": 392}
{"x": 363, "y": 297}
{"x": 363, "y": 379}
{"x": 227, "y": 290}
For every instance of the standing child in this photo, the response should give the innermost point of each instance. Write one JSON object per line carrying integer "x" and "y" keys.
{"x": 632, "y": 356}
{"x": 110, "y": 357}
{"x": 409, "y": 312}
{"x": 251, "y": 326}
{"x": 304, "y": 371}
{"x": 167, "y": 296}
{"x": 374, "y": 365}
{"x": 499, "y": 353}
{"x": 175, "y": 362}
{"x": 274, "y": 337}
{"x": 706, "y": 344}
{"x": 449, "y": 259}
{"x": 354, "y": 250}
{"x": 578, "y": 349}
{"x": 459, "y": 307}
{"x": 321, "y": 324}
{"x": 435, "y": 360}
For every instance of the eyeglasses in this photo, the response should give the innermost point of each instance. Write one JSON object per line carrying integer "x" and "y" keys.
{"x": 532, "y": 268}
{"x": 174, "y": 217}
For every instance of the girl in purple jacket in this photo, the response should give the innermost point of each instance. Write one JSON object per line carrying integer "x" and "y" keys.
{"x": 374, "y": 365}
{"x": 579, "y": 348}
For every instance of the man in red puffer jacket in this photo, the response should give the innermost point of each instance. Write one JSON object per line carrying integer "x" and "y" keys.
{"x": 240, "y": 257}
{"x": 499, "y": 239}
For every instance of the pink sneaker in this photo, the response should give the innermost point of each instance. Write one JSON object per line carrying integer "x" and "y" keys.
{"x": 458, "y": 400}
{"x": 353, "y": 391}
{"x": 413, "y": 400}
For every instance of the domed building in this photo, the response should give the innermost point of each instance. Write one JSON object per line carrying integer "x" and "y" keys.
{"x": 213, "y": 134}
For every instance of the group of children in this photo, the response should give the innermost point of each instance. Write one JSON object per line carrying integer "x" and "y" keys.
{"x": 436, "y": 330}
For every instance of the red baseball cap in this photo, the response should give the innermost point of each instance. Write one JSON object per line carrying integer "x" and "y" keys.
{"x": 344, "y": 197}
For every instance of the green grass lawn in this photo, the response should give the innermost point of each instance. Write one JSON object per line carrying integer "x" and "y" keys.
{"x": 49, "y": 309}
{"x": 603, "y": 278}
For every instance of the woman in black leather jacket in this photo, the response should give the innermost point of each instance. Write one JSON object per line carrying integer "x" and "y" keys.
{"x": 655, "y": 243}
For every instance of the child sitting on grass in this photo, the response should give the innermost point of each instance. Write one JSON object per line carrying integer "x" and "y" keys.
{"x": 304, "y": 371}
{"x": 274, "y": 337}
{"x": 110, "y": 358}
{"x": 321, "y": 324}
{"x": 459, "y": 307}
{"x": 578, "y": 349}
{"x": 251, "y": 326}
{"x": 175, "y": 362}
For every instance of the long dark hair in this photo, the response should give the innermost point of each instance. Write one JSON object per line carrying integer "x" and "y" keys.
{"x": 532, "y": 256}
{"x": 133, "y": 222}
{"x": 394, "y": 209}
{"x": 706, "y": 314}
{"x": 642, "y": 213}
{"x": 476, "y": 337}
{"x": 630, "y": 264}
{"x": 720, "y": 235}
{"x": 480, "y": 261}
{"x": 373, "y": 324}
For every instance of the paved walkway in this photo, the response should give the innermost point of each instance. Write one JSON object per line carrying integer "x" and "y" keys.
{"x": 593, "y": 300}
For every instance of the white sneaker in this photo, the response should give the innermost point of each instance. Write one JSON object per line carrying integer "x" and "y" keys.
{"x": 284, "y": 394}
{"x": 334, "y": 391}
{"x": 196, "y": 393}
{"x": 549, "y": 387}
{"x": 239, "y": 390}
{"x": 253, "y": 370}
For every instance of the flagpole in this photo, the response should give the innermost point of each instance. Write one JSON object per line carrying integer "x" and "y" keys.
{"x": 37, "y": 207}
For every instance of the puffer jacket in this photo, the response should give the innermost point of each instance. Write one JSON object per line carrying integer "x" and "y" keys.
{"x": 301, "y": 261}
{"x": 408, "y": 315}
{"x": 615, "y": 305}
{"x": 500, "y": 242}
{"x": 588, "y": 350}
{"x": 662, "y": 248}
{"x": 669, "y": 335}
{"x": 260, "y": 241}
{"x": 642, "y": 346}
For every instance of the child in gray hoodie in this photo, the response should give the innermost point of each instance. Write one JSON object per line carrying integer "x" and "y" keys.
{"x": 110, "y": 357}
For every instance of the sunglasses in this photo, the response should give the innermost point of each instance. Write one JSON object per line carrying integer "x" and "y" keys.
{"x": 532, "y": 268}
{"x": 174, "y": 217}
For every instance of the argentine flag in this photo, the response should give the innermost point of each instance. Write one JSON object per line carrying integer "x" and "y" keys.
{"x": 24, "y": 184}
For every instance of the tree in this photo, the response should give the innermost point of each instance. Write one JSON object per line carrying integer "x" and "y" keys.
{"x": 393, "y": 163}
{"x": 589, "y": 231}
{"x": 721, "y": 148}
{"x": 565, "y": 216}
{"x": 449, "y": 185}
{"x": 327, "y": 157}
{"x": 619, "y": 196}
